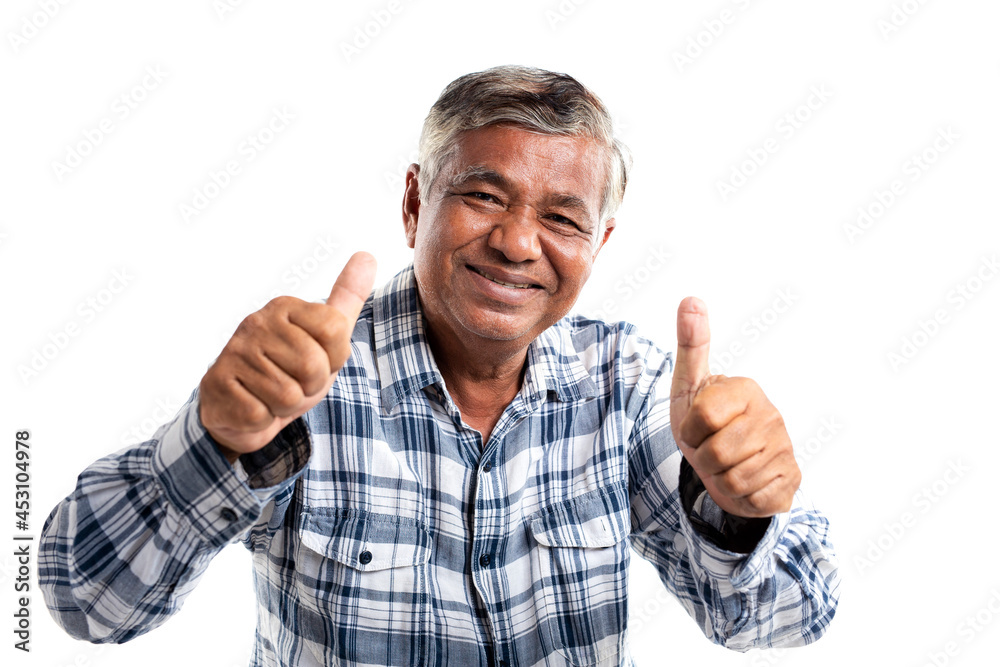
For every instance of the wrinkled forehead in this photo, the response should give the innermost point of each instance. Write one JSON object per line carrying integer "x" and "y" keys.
{"x": 519, "y": 161}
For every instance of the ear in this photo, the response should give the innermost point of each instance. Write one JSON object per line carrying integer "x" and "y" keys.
{"x": 411, "y": 204}
{"x": 609, "y": 227}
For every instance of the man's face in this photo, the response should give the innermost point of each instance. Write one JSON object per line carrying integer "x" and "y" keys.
{"x": 509, "y": 207}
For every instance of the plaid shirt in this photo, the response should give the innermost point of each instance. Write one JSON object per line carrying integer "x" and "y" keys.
{"x": 383, "y": 531}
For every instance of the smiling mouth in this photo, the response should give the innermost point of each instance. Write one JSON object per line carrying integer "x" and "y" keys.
{"x": 500, "y": 282}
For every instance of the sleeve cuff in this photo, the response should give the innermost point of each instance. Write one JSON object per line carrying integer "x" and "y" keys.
{"x": 198, "y": 481}
{"x": 727, "y": 548}
{"x": 279, "y": 460}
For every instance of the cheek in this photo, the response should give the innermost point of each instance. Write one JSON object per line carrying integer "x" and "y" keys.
{"x": 450, "y": 229}
{"x": 432, "y": 241}
{"x": 572, "y": 264}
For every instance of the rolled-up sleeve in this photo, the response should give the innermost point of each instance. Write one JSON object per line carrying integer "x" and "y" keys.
{"x": 783, "y": 593}
{"x": 119, "y": 555}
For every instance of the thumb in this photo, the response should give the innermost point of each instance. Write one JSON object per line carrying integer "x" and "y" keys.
{"x": 353, "y": 285}
{"x": 691, "y": 367}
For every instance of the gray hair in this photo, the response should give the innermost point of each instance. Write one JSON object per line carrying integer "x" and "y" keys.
{"x": 535, "y": 99}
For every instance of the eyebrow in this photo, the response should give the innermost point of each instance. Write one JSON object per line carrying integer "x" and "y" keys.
{"x": 495, "y": 178}
{"x": 480, "y": 173}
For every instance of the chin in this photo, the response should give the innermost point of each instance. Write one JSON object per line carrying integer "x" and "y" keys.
{"x": 497, "y": 327}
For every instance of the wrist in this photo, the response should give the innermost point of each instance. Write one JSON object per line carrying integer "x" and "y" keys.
{"x": 728, "y": 531}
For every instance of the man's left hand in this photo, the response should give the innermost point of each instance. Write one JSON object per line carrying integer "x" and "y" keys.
{"x": 727, "y": 429}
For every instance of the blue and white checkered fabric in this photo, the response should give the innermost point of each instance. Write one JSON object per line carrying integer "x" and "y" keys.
{"x": 384, "y": 532}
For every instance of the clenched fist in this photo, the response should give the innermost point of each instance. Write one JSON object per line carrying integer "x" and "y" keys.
{"x": 732, "y": 436}
{"x": 281, "y": 361}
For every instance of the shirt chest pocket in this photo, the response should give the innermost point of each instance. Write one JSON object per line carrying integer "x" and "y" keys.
{"x": 364, "y": 572}
{"x": 580, "y": 575}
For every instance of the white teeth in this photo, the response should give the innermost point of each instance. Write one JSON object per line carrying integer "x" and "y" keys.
{"x": 500, "y": 282}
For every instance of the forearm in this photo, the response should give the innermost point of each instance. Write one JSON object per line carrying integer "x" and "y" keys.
{"x": 120, "y": 554}
{"x": 783, "y": 593}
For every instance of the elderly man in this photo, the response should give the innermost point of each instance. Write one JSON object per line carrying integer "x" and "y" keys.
{"x": 451, "y": 471}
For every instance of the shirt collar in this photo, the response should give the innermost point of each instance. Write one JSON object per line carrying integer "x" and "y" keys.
{"x": 554, "y": 364}
{"x": 406, "y": 364}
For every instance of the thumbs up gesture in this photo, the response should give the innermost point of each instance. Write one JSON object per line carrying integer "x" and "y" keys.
{"x": 732, "y": 436}
{"x": 281, "y": 361}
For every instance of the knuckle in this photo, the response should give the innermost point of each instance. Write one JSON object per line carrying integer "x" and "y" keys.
{"x": 340, "y": 352}
{"x": 708, "y": 413}
{"x": 711, "y": 456}
{"x": 758, "y": 503}
{"x": 206, "y": 413}
{"x": 287, "y": 397}
{"x": 251, "y": 416}
{"x": 252, "y": 325}
{"x": 313, "y": 385}
{"x": 279, "y": 304}
{"x": 733, "y": 484}
{"x": 785, "y": 505}
{"x": 730, "y": 452}
{"x": 297, "y": 366}
{"x": 698, "y": 410}
{"x": 334, "y": 328}
{"x": 209, "y": 384}
{"x": 213, "y": 391}
{"x": 794, "y": 479}
{"x": 315, "y": 372}
{"x": 774, "y": 420}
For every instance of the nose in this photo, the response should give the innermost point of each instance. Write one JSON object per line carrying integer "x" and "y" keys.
{"x": 516, "y": 235}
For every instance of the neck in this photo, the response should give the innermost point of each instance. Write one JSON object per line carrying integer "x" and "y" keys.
{"x": 482, "y": 376}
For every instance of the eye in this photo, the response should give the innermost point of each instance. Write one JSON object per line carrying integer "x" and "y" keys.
{"x": 482, "y": 196}
{"x": 562, "y": 220}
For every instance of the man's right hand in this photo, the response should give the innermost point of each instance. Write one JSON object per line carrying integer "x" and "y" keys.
{"x": 282, "y": 361}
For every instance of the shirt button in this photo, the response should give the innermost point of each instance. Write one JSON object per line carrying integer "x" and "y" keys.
{"x": 488, "y": 466}
{"x": 484, "y": 560}
{"x": 365, "y": 557}
{"x": 228, "y": 514}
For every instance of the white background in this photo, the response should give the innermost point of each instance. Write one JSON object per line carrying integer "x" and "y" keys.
{"x": 892, "y": 81}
